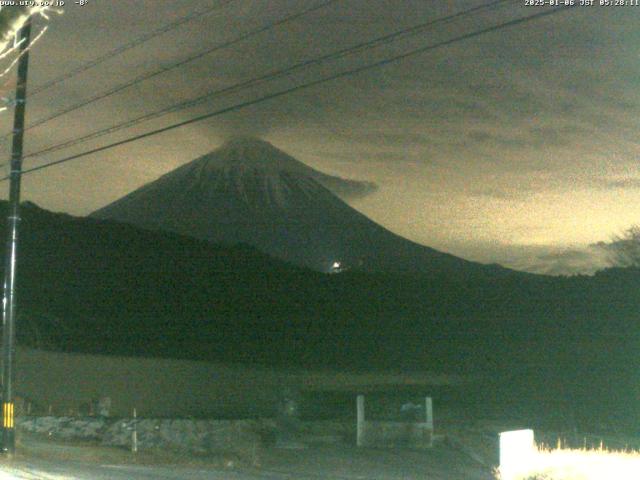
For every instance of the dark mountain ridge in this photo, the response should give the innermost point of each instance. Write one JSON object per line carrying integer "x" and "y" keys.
{"x": 90, "y": 285}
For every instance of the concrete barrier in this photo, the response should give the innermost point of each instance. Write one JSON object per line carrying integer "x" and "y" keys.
{"x": 397, "y": 434}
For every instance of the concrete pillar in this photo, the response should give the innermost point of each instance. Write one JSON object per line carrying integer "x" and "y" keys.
{"x": 428, "y": 411}
{"x": 360, "y": 420}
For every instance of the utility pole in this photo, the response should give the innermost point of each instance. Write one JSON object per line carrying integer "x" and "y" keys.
{"x": 13, "y": 218}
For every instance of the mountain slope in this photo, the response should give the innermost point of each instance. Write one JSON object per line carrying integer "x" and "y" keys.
{"x": 250, "y": 192}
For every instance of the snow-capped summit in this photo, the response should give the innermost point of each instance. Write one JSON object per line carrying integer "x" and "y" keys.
{"x": 244, "y": 157}
{"x": 248, "y": 191}
{"x": 249, "y": 152}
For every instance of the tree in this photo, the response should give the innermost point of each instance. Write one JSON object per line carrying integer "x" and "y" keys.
{"x": 624, "y": 249}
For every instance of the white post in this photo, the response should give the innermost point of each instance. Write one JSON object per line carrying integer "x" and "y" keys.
{"x": 134, "y": 433}
{"x": 360, "y": 424}
{"x": 517, "y": 453}
{"x": 428, "y": 410}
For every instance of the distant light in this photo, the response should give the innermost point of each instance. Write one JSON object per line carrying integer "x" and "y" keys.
{"x": 336, "y": 267}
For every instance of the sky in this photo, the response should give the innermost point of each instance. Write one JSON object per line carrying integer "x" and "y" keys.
{"x": 518, "y": 146}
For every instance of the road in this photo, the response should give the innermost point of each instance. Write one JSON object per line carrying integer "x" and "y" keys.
{"x": 49, "y": 470}
{"x": 49, "y": 460}
{"x": 311, "y": 464}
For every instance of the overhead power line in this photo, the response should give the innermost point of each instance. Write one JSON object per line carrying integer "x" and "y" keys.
{"x": 128, "y": 46}
{"x": 168, "y": 68}
{"x": 360, "y": 47}
{"x": 303, "y": 86}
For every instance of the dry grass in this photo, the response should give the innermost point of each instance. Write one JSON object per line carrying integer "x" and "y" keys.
{"x": 578, "y": 464}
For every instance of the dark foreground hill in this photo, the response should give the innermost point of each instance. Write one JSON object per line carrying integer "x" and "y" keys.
{"x": 96, "y": 286}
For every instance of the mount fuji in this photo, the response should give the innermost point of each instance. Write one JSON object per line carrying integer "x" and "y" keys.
{"x": 250, "y": 192}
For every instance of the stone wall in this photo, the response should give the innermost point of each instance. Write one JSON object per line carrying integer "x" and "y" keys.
{"x": 243, "y": 437}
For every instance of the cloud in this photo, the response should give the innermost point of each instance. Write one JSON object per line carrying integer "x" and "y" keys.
{"x": 546, "y": 260}
{"x": 587, "y": 261}
{"x": 348, "y": 189}
{"x": 535, "y": 138}
{"x": 549, "y": 260}
{"x": 509, "y": 193}
{"x": 539, "y": 259}
{"x": 624, "y": 183}
{"x": 553, "y": 136}
{"x": 483, "y": 137}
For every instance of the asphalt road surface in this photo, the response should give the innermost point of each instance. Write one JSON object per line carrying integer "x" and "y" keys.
{"x": 310, "y": 464}
{"x": 49, "y": 470}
